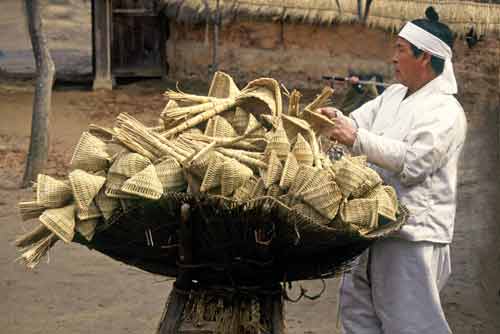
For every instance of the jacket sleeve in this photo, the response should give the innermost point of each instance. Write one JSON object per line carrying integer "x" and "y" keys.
{"x": 433, "y": 137}
{"x": 364, "y": 116}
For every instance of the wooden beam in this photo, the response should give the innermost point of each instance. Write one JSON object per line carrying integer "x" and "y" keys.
{"x": 101, "y": 37}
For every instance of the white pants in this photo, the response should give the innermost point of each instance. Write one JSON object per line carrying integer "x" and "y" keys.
{"x": 394, "y": 289}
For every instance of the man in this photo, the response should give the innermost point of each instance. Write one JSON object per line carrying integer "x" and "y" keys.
{"x": 412, "y": 135}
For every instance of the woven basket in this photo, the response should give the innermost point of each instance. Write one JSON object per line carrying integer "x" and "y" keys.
{"x": 85, "y": 187}
{"x": 60, "y": 221}
{"x": 244, "y": 192}
{"x": 90, "y": 212}
{"x": 361, "y": 212}
{"x": 387, "y": 201}
{"x": 90, "y": 154}
{"x": 222, "y": 128}
{"x": 325, "y": 198}
{"x": 212, "y": 178}
{"x": 129, "y": 164}
{"x": 302, "y": 151}
{"x": 223, "y": 86}
{"x": 274, "y": 169}
{"x": 240, "y": 120}
{"x": 107, "y": 205}
{"x": 278, "y": 142}
{"x": 252, "y": 123}
{"x": 52, "y": 193}
{"x": 233, "y": 175}
{"x": 87, "y": 228}
{"x": 145, "y": 184}
{"x": 290, "y": 170}
{"x": 170, "y": 174}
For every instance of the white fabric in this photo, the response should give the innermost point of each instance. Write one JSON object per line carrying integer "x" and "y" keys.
{"x": 394, "y": 289}
{"x": 427, "y": 42}
{"x": 415, "y": 143}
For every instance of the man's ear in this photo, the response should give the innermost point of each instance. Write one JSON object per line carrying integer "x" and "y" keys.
{"x": 425, "y": 58}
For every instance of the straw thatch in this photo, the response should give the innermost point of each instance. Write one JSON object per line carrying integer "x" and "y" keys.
{"x": 484, "y": 16}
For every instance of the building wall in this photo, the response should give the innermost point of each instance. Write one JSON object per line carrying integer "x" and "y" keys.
{"x": 299, "y": 54}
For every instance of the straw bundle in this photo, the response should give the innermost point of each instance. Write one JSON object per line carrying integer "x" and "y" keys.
{"x": 29, "y": 210}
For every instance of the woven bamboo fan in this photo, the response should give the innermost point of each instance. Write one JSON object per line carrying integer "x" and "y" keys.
{"x": 90, "y": 154}
{"x": 52, "y": 193}
{"x": 60, "y": 221}
{"x": 274, "y": 170}
{"x": 223, "y": 86}
{"x": 144, "y": 184}
{"x": 325, "y": 198}
{"x": 107, "y": 205}
{"x": 302, "y": 151}
{"x": 361, "y": 212}
{"x": 170, "y": 174}
{"x": 85, "y": 187}
{"x": 86, "y": 228}
{"x": 234, "y": 174}
{"x": 290, "y": 170}
{"x": 129, "y": 164}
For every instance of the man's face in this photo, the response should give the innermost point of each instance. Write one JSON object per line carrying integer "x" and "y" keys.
{"x": 406, "y": 66}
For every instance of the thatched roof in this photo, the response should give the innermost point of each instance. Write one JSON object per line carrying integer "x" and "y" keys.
{"x": 387, "y": 14}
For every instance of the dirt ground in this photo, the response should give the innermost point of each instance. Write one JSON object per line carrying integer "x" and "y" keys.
{"x": 81, "y": 291}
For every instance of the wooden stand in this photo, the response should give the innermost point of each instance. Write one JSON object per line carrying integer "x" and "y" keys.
{"x": 172, "y": 321}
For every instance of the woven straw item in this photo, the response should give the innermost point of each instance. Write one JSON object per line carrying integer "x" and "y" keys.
{"x": 240, "y": 120}
{"x": 252, "y": 123}
{"x": 90, "y": 154}
{"x": 29, "y": 210}
{"x": 274, "y": 170}
{"x": 318, "y": 121}
{"x": 114, "y": 184}
{"x": 244, "y": 193}
{"x": 304, "y": 174}
{"x": 213, "y": 173}
{"x": 234, "y": 174}
{"x": 144, "y": 184}
{"x": 371, "y": 180}
{"x": 86, "y": 228}
{"x": 308, "y": 211}
{"x": 293, "y": 126}
{"x": 278, "y": 141}
{"x": 361, "y": 212}
{"x": 355, "y": 179}
{"x": 325, "y": 198}
{"x": 290, "y": 170}
{"x": 85, "y": 187}
{"x": 107, "y": 205}
{"x": 302, "y": 151}
{"x": 387, "y": 201}
{"x": 222, "y": 128}
{"x": 52, "y": 193}
{"x": 60, "y": 221}
{"x": 90, "y": 212}
{"x": 129, "y": 164}
{"x": 259, "y": 189}
{"x": 170, "y": 174}
{"x": 320, "y": 177}
{"x": 262, "y": 96}
{"x": 209, "y": 129}
{"x": 223, "y": 86}
{"x": 274, "y": 190}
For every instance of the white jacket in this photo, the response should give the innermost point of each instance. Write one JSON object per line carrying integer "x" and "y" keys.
{"x": 415, "y": 144}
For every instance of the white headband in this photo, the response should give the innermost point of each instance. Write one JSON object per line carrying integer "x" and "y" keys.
{"x": 427, "y": 42}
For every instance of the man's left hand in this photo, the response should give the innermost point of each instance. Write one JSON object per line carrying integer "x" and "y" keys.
{"x": 342, "y": 131}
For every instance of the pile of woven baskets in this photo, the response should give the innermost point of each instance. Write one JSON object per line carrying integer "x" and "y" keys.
{"x": 260, "y": 183}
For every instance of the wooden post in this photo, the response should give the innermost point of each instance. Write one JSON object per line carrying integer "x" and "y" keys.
{"x": 172, "y": 314}
{"x": 45, "y": 70}
{"x": 101, "y": 37}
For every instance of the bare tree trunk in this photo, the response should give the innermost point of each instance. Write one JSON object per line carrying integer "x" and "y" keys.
{"x": 39, "y": 143}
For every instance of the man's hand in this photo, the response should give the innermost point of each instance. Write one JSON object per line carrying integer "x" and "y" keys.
{"x": 342, "y": 131}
